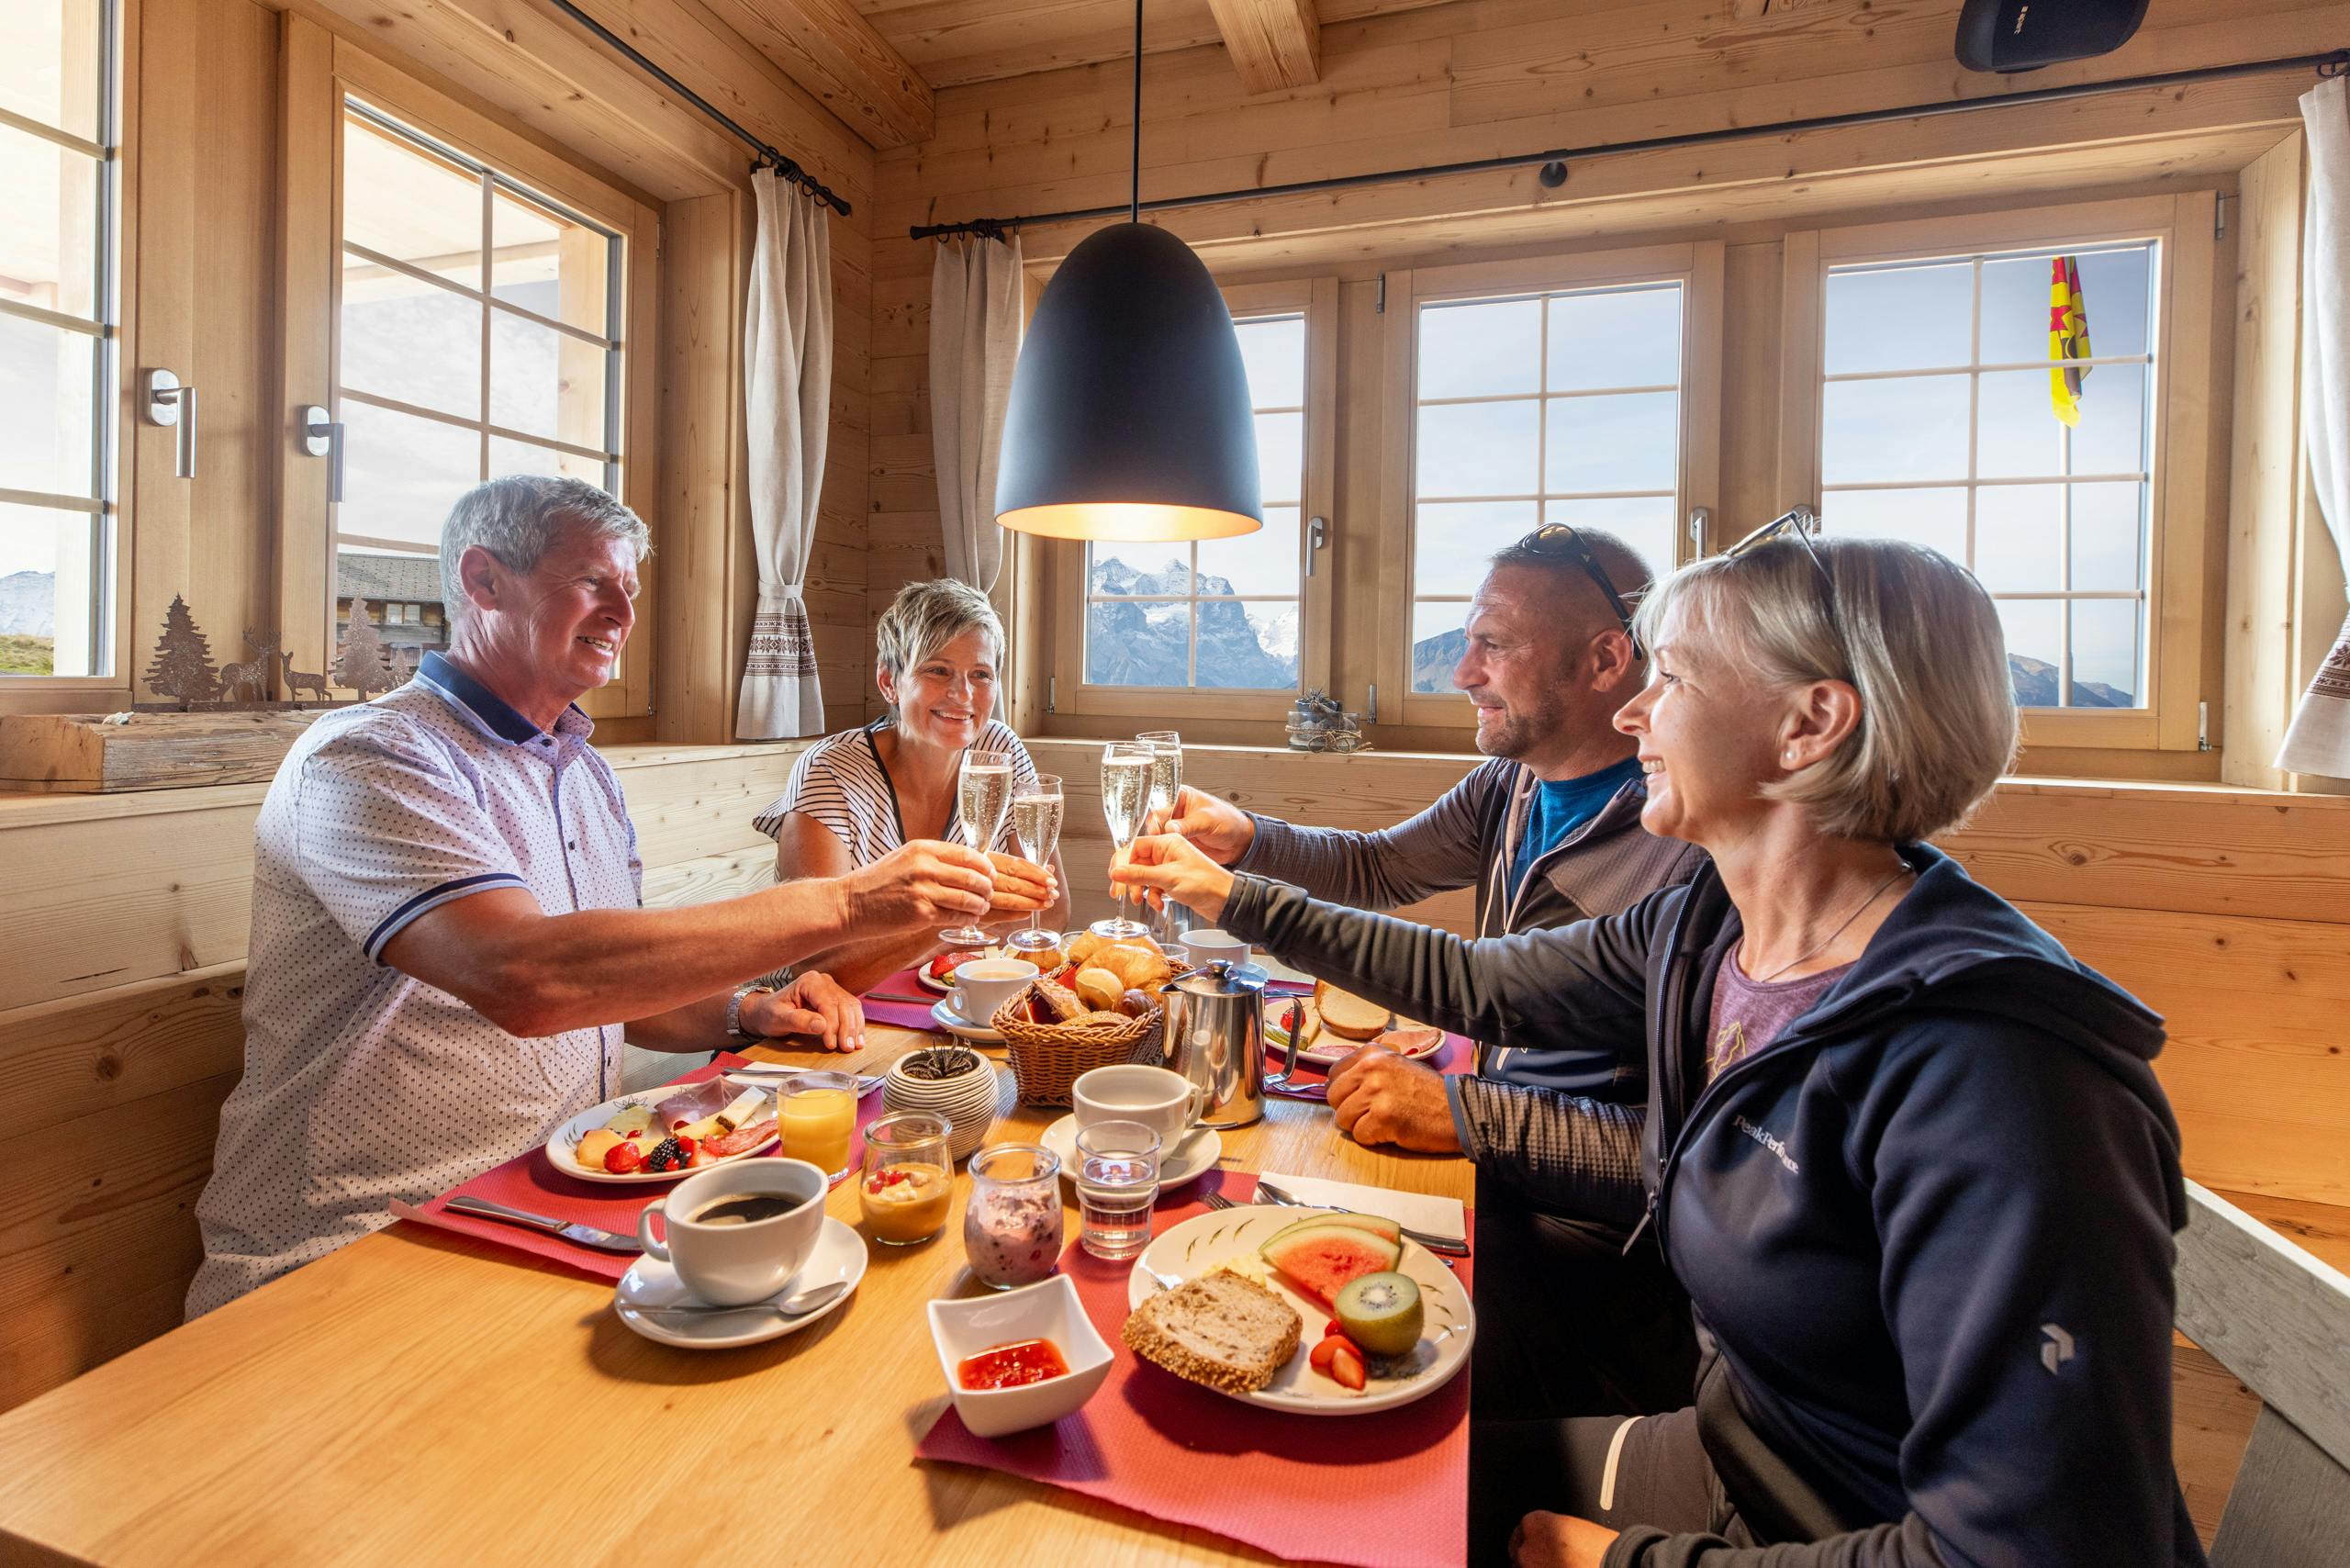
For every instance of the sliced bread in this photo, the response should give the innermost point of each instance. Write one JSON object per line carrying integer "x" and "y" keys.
{"x": 1347, "y": 1015}
{"x": 1220, "y": 1329}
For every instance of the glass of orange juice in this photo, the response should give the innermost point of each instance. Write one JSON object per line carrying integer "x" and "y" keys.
{"x": 819, "y": 1111}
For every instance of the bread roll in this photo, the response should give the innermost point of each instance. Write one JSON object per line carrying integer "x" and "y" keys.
{"x": 1099, "y": 989}
{"x": 1136, "y": 1004}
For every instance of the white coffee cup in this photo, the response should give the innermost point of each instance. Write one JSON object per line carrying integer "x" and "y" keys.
{"x": 1167, "y": 1102}
{"x": 985, "y": 984}
{"x": 731, "y": 1262}
{"x": 1207, "y": 946}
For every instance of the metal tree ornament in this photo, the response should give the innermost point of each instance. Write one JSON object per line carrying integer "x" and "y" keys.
{"x": 181, "y": 671}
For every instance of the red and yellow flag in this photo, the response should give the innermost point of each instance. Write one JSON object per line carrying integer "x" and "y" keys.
{"x": 2068, "y": 337}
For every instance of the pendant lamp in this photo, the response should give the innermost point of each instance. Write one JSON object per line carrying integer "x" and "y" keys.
{"x": 1129, "y": 418}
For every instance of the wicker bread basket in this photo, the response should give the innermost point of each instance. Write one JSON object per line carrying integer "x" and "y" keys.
{"x": 1047, "y": 1059}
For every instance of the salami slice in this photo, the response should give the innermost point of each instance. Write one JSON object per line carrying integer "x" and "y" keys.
{"x": 741, "y": 1140}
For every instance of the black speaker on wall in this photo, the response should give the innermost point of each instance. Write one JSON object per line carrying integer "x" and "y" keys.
{"x": 2023, "y": 35}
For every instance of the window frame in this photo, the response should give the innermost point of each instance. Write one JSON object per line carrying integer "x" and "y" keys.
{"x": 1695, "y": 266}
{"x": 1316, "y": 298}
{"x": 2178, "y": 442}
{"x": 321, "y": 81}
{"x": 112, "y": 381}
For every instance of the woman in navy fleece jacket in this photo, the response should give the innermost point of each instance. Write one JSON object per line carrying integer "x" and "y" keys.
{"x": 1906, "y": 1155}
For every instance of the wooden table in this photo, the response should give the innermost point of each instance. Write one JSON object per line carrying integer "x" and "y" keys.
{"x": 419, "y": 1396}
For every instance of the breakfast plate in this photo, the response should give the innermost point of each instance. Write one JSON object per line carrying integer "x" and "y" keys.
{"x": 838, "y": 1257}
{"x": 943, "y": 1014}
{"x": 927, "y": 971}
{"x": 1193, "y": 1156}
{"x": 1232, "y": 1236}
{"x": 560, "y": 1147}
{"x": 1328, "y": 1049}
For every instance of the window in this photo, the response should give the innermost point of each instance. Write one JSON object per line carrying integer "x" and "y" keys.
{"x": 1948, "y": 417}
{"x": 1221, "y": 613}
{"x": 1559, "y": 407}
{"x": 58, "y": 186}
{"x": 480, "y": 335}
{"x": 1226, "y": 628}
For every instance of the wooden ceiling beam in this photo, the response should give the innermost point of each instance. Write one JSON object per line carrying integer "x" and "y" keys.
{"x": 832, "y": 53}
{"x": 1273, "y": 43}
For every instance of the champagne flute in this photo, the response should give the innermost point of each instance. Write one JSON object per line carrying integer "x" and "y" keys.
{"x": 982, "y": 797}
{"x": 1165, "y": 783}
{"x": 1037, "y": 823}
{"x": 1126, "y": 768}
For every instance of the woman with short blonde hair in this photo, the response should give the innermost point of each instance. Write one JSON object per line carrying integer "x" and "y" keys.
{"x": 1906, "y": 1155}
{"x": 854, "y": 795}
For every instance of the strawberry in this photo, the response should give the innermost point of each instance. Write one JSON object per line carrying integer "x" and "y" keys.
{"x": 1347, "y": 1364}
{"x": 623, "y": 1158}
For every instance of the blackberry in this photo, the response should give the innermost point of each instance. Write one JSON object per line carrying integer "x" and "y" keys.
{"x": 666, "y": 1156}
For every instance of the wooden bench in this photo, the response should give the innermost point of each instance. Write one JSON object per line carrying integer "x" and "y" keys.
{"x": 2278, "y": 1317}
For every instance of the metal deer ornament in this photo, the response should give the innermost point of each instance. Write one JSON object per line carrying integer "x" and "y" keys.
{"x": 182, "y": 674}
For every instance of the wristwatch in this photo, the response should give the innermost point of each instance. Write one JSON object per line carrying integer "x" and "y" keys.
{"x": 734, "y": 1009}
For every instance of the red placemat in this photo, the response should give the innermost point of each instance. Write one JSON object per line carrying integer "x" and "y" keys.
{"x": 531, "y": 1182}
{"x": 905, "y": 1015}
{"x": 1385, "y": 1490}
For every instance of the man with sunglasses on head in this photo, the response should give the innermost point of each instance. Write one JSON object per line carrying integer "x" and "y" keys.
{"x": 1547, "y": 831}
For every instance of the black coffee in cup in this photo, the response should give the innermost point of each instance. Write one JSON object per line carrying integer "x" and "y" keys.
{"x": 743, "y": 1208}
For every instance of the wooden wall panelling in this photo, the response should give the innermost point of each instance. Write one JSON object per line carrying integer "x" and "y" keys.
{"x": 2205, "y": 851}
{"x": 2264, "y": 488}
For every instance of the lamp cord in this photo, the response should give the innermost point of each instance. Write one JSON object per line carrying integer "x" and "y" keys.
{"x": 1134, "y": 200}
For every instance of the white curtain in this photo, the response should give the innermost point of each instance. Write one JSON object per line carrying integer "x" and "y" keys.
{"x": 2319, "y": 740}
{"x": 787, "y": 400}
{"x": 973, "y": 343}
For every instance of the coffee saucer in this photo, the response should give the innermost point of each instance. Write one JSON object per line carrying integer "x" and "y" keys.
{"x": 838, "y": 1256}
{"x": 1193, "y": 1156}
{"x": 943, "y": 1014}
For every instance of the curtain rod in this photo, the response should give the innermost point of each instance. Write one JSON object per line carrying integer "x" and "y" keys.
{"x": 769, "y": 157}
{"x": 2336, "y": 62}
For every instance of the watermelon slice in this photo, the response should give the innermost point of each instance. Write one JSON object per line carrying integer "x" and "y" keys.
{"x": 1319, "y": 1258}
{"x": 1372, "y": 1223}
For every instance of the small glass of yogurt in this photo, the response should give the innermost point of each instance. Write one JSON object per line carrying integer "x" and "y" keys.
{"x": 1011, "y": 1226}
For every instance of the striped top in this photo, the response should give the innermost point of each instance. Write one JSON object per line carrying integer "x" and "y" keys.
{"x": 841, "y": 782}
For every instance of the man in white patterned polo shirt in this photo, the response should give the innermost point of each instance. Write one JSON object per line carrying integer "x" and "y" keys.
{"x": 449, "y": 946}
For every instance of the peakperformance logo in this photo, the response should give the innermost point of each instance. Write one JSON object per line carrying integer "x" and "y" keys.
{"x": 1768, "y": 1141}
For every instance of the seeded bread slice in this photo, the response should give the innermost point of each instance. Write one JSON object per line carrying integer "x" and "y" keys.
{"x": 1222, "y": 1330}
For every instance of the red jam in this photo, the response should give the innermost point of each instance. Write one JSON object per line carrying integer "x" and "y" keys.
{"x": 1012, "y": 1366}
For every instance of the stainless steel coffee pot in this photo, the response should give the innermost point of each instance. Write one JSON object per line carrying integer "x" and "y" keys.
{"x": 1216, "y": 1037}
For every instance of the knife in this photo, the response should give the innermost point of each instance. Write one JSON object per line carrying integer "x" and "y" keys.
{"x": 586, "y": 1235}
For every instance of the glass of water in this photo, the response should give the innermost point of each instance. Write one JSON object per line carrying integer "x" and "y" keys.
{"x": 1117, "y": 1180}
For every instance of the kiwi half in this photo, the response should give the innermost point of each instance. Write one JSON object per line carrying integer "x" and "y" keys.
{"x": 1381, "y": 1312}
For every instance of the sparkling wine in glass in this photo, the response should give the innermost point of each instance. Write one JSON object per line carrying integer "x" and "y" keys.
{"x": 1165, "y": 783}
{"x": 1127, "y": 767}
{"x": 1037, "y": 823}
{"x": 983, "y": 794}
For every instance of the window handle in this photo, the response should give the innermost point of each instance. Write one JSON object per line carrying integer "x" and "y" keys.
{"x": 323, "y": 437}
{"x": 1316, "y": 535}
{"x": 169, "y": 402}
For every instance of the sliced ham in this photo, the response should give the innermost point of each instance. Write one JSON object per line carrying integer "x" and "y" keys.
{"x": 1411, "y": 1042}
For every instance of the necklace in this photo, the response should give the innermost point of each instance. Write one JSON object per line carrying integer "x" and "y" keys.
{"x": 1900, "y": 871}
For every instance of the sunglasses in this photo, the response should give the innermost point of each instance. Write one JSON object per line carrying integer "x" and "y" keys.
{"x": 1799, "y": 525}
{"x": 1560, "y": 541}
